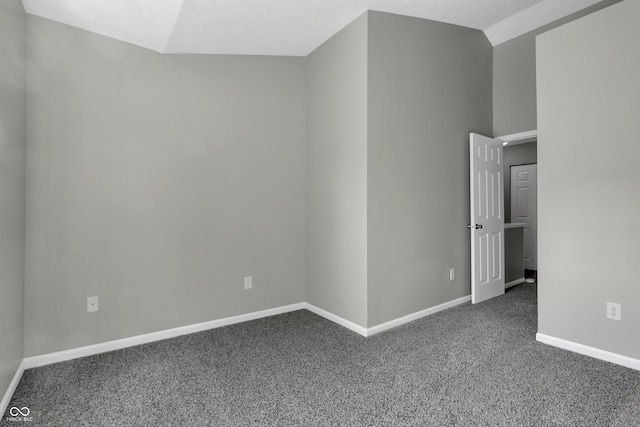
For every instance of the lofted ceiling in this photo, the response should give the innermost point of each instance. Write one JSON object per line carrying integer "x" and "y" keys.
{"x": 281, "y": 27}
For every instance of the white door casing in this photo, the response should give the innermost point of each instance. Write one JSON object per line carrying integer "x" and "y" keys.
{"x": 524, "y": 209}
{"x": 487, "y": 218}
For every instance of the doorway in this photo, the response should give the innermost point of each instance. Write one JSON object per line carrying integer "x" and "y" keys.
{"x": 517, "y": 154}
{"x": 497, "y": 254}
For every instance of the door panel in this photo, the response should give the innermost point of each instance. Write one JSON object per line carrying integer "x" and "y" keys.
{"x": 524, "y": 205}
{"x": 487, "y": 218}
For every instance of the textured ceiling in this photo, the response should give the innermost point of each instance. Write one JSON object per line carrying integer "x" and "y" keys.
{"x": 278, "y": 27}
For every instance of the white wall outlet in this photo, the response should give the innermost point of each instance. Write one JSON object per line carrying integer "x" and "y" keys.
{"x": 452, "y": 273}
{"x": 614, "y": 311}
{"x": 248, "y": 282}
{"x": 92, "y": 304}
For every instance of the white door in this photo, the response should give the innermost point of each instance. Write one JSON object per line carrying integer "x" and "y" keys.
{"x": 487, "y": 218}
{"x": 524, "y": 209}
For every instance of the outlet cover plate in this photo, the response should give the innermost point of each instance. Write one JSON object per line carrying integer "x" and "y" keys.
{"x": 92, "y": 304}
{"x": 614, "y": 311}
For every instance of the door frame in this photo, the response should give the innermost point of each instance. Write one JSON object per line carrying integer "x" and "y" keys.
{"x": 510, "y": 140}
{"x": 517, "y": 139}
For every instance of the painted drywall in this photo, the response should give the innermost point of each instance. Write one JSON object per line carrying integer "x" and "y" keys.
{"x": 429, "y": 87}
{"x": 157, "y": 182}
{"x": 336, "y": 163}
{"x": 588, "y": 151}
{"x": 12, "y": 186}
{"x": 514, "y": 77}
{"x": 522, "y": 154}
{"x": 514, "y": 86}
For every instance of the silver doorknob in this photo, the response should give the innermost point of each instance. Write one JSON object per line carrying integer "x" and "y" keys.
{"x": 477, "y": 226}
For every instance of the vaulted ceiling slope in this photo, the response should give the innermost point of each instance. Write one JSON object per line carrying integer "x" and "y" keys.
{"x": 281, "y": 27}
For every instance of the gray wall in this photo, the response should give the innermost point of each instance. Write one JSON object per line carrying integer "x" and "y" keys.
{"x": 12, "y": 187}
{"x": 429, "y": 86}
{"x": 588, "y": 155}
{"x": 522, "y": 154}
{"x": 514, "y": 86}
{"x": 336, "y": 264}
{"x": 157, "y": 182}
{"x": 514, "y": 77}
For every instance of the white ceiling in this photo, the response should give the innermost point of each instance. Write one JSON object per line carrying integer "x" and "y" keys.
{"x": 281, "y": 27}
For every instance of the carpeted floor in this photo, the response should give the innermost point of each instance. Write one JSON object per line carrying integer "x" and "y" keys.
{"x": 470, "y": 365}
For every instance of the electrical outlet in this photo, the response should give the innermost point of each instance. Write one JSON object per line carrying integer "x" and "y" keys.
{"x": 248, "y": 282}
{"x": 614, "y": 311}
{"x": 92, "y": 304}
{"x": 452, "y": 273}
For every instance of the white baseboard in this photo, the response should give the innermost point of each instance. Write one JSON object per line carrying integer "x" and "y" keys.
{"x": 12, "y": 388}
{"x": 417, "y": 315}
{"x": 514, "y": 282}
{"x": 586, "y": 350}
{"x": 337, "y": 319}
{"x": 61, "y": 356}
{"x": 367, "y": 332}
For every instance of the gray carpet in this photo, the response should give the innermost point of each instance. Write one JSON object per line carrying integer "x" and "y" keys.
{"x": 470, "y": 365}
